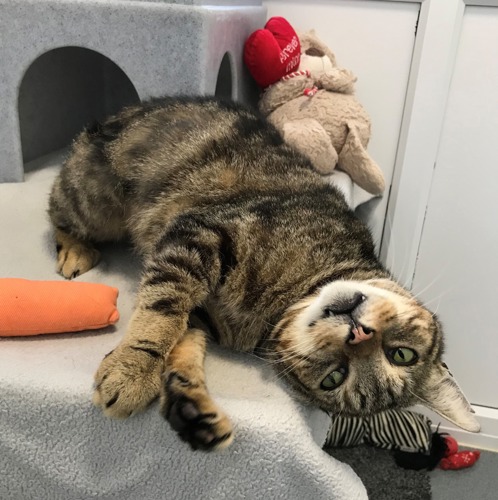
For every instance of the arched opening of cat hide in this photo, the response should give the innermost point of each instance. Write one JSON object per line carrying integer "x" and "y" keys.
{"x": 64, "y": 90}
{"x": 224, "y": 82}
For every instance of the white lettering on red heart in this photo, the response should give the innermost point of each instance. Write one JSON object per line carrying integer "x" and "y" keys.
{"x": 289, "y": 49}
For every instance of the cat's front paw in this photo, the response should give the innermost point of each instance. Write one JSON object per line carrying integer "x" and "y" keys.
{"x": 194, "y": 416}
{"x": 127, "y": 381}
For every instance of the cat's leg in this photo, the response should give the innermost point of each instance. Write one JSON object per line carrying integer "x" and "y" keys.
{"x": 74, "y": 257}
{"x": 185, "y": 401}
{"x": 182, "y": 272}
{"x": 87, "y": 205}
{"x": 129, "y": 377}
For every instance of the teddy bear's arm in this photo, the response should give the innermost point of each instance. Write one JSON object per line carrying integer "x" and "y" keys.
{"x": 355, "y": 161}
{"x": 310, "y": 139}
{"x": 337, "y": 80}
{"x": 283, "y": 91}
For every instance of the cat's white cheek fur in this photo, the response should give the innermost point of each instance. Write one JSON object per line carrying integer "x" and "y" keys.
{"x": 302, "y": 339}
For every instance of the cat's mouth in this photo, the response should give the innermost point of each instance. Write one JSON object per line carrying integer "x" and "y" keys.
{"x": 358, "y": 332}
{"x": 348, "y": 307}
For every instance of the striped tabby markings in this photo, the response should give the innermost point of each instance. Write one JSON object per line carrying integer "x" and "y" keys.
{"x": 130, "y": 377}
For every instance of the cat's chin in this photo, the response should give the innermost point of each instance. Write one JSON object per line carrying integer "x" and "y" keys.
{"x": 343, "y": 298}
{"x": 345, "y": 302}
{"x": 347, "y": 312}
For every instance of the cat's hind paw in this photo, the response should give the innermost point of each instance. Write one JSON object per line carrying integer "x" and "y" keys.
{"x": 194, "y": 416}
{"x": 74, "y": 257}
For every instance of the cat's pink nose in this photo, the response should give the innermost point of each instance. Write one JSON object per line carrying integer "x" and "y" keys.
{"x": 359, "y": 333}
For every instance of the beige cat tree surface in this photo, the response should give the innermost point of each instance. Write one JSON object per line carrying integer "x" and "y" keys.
{"x": 317, "y": 112}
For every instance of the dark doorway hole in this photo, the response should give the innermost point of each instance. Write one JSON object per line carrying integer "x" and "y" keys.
{"x": 224, "y": 84}
{"x": 64, "y": 90}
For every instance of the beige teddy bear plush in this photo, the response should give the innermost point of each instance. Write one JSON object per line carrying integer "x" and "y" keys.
{"x": 316, "y": 111}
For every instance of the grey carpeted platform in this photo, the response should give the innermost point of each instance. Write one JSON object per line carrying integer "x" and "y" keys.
{"x": 55, "y": 445}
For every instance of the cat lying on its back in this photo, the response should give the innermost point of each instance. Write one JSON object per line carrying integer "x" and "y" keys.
{"x": 236, "y": 226}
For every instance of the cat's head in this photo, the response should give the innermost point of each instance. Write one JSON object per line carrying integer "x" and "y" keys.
{"x": 360, "y": 347}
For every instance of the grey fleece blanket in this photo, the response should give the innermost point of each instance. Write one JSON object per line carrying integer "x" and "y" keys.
{"x": 55, "y": 445}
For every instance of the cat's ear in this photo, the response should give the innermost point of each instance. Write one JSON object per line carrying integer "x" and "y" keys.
{"x": 442, "y": 395}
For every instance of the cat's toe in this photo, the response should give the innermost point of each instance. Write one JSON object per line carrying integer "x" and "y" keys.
{"x": 126, "y": 382}
{"x": 76, "y": 260}
{"x": 200, "y": 423}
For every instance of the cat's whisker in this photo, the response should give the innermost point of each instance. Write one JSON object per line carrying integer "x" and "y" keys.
{"x": 269, "y": 324}
{"x": 286, "y": 354}
{"x": 434, "y": 314}
{"x": 293, "y": 348}
{"x": 255, "y": 355}
{"x": 438, "y": 298}
{"x": 290, "y": 368}
{"x": 392, "y": 264}
{"x": 288, "y": 358}
{"x": 274, "y": 362}
{"x": 416, "y": 295}
{"x": 293, "y": 358}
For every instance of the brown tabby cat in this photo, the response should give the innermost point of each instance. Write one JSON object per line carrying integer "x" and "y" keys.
{"x": 235, "y": 225}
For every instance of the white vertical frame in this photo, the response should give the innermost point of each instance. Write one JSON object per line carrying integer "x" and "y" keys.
{"x": 434, "y": 55}
{"x": 433, "y": 62}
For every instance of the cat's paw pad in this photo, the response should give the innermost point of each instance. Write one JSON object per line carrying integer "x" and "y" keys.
{"x": 127, "y": 381}
{"x": 197, "y": 420}
{"x": 76, "y": 259}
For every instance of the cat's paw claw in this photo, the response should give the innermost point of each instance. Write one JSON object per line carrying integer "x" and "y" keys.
{"x": 76, "y": 259}
{"x": 201, "y": 424}
{"x": 126, "y": 382}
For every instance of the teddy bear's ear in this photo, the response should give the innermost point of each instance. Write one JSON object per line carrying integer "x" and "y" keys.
{"x": 311, "y": 40}
{"x": 307, "y": 33}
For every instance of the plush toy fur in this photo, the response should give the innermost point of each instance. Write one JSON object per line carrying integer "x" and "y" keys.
{"x": 317, "y": 112}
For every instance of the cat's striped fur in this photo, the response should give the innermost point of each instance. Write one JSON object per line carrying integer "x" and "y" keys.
{"x": 235, "y": 225}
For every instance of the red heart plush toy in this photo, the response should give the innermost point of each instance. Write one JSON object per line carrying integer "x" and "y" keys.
{"x": 272, "y": 52}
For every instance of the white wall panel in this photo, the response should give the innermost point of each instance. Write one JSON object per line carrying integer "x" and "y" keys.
{"x": 459, "y": 247}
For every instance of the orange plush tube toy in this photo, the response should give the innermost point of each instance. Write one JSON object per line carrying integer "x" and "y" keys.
{"x": 35, "y": 307}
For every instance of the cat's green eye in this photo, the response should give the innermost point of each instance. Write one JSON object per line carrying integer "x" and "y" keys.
{"x": 333, "y": 379}
{"x": 402, "y": 356}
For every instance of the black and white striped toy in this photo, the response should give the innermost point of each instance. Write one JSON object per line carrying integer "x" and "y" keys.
{"x": 406, "y": 432}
